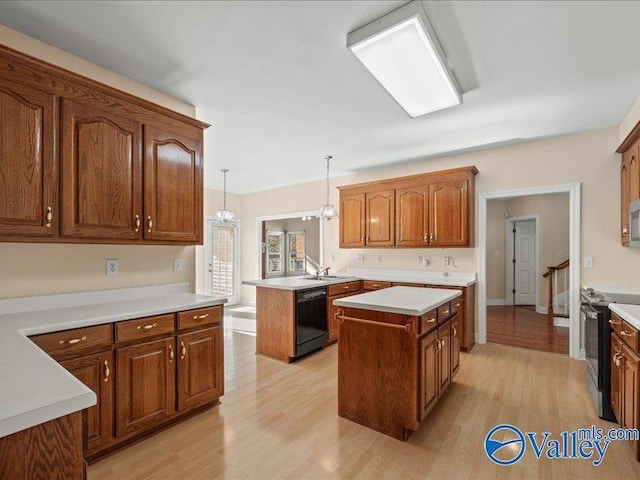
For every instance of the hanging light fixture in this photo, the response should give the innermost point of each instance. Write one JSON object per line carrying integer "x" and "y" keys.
{"x": 328, "y": 211}
{"x": 224, "y": 215}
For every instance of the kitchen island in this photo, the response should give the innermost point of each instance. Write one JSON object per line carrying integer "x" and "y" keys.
{"x": 397, "y": 354}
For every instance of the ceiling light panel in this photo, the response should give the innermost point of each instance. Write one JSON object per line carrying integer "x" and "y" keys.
{"x": 401, "y": 51}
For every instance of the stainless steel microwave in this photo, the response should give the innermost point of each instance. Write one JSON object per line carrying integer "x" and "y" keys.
{"x": 634, "y": 223}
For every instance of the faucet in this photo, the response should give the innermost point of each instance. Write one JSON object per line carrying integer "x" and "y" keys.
{"x": 324, "y": 270}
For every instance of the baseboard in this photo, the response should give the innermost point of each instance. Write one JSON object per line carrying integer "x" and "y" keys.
{"x": 583, "y": 354}
{"x": 496, "y": 301}
{"x": 560, "y": 322}
{"x": 542, "y": 309}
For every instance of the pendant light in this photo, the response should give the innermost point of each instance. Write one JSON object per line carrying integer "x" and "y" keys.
{"x": 224, "y": 215}
{"x": 328, "y": 211}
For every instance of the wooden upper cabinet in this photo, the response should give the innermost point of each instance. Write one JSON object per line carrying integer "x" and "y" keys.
{"x": 412, "y": 219}
{"x": 28, "y": 176}
{"x": 434, "y": 209}
{"x": 380, "y": 219}
{"x": 173, "y": 184}
{"x": 352, "y": 220}
{"x": 449, "y": 217}
{"x": 101, "y": 173}
{"x": 629, "y": 187}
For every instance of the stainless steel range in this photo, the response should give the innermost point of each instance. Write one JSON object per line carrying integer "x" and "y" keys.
{"x": 595, "y": 314}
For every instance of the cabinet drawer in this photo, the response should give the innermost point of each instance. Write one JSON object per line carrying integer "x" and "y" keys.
{"x": 407, "y": 284}
{"x": 444, "y": 312}
{"x": 457, "y": 305}
{"x": 76, "y": 340}
{"x": 197, "y": 318}
{"x": 144, "y": 327}
{"x": 629, "y": 335}
{"x": 344, "y": 288}
{"x": 428, "y": 321}
{"x": 374, "y": 285}
{"x": 616, "y": 323}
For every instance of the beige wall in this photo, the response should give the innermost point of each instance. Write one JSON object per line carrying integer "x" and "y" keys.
{"x": 34, "y": 269}
{"x": 553, "y": 235}
{"x": 587, "y": 157}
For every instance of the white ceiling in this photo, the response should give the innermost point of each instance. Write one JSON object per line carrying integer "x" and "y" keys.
{"x": 281, "y": 89}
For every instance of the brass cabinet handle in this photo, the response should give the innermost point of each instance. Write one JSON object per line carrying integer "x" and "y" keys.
{"x": 613, "y": 322}
{"x": 431, "y": 237}
{"x": 457, "y": 304}
{"x": 366, "y": 239}
{"x": 337, "y": 314}
{"x": 376, "y": 285}
{"x": 170, "y": 354}
{"x": 73, "y": 341}
{"x": 624, "y": 333}
{"x": 438, "y": 344}
{"x": 149, "y": 223}
{"x": 625, "y": 230}
{"x": 183, "y": 351}
{"x": 445, "y": 312}
{"x": 200, "y": 317}
{"x": 149, "y": 326}
{"x": 425, "y": 237}
{"x": 362, "y": 239}
{"x": 455, "y": 332}
{"x": 137, "y": 223}
{"x": 49, "y": 217}
{"x": 431, "y": 320}
{"x": 107, "y": 372}
{"x": 346, "y": 287}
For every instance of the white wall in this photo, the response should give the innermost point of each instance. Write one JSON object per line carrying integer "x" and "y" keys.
{"x": 587, "y": 157}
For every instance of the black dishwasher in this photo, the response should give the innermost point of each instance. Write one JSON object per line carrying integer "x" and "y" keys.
{"x": 311, "y": 320}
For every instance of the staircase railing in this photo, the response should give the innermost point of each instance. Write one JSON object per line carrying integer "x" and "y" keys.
{"x": 558, "y": 276}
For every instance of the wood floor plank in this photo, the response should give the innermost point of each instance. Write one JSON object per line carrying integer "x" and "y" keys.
{"x": 280, "y": 421}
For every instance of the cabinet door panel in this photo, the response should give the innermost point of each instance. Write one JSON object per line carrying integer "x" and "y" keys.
{"x": 449, "y": 219}
{"x": 380, "y": 219}
{"x": 200, "y": 367}
{"x": 630, "y": 370}
{"x": 444, "y": 335}
{"x": 101, "y": 173}
{"x": 455, "y": 346}
{"x": 145, "y": 389}
{"x": 616, "y": 378}
{"x": 412, "y": 226}
{"x": 429, "y": 372}
{"x": 173, "y": 185}
{"x": 28, "y": 174}
{"x": 352, "y": 220}
{"x": 96, "y": 372}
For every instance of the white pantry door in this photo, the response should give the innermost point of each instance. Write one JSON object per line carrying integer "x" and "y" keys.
{"x": 524, "y": 274}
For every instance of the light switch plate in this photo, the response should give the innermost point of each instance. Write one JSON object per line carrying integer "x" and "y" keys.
{"x": 587, "y": 262}
{"x": 177, "y": 265}
{"x": 113, "y": 267}
{"x": 379, "y": 258}
{"x": 359, "y": 258}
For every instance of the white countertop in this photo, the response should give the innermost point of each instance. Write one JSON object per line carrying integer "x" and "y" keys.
{"x": 35, "y": 388}
{"x": 403, "y": 300}
{"x": 630, "y": 313}
{"x": 455, "y": 279}
{"x": 298, "y": 282}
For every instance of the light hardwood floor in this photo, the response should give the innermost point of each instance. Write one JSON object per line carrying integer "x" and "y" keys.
{"x": 279, "y": 421}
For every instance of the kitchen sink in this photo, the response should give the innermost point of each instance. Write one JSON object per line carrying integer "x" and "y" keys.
{"x": 323, "y": 277}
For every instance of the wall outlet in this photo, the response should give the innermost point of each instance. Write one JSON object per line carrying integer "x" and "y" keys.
{"x": 587, "y": 262}
{"x": 447, "y": 261}
{"x": 378, "y": 258}
{"x": 423, "y": 260}
{"x": 113, "y": 267}
{"x": 359, "y": 257}
{"x": 177, "y": 265}
{"x": 420, "y": 259}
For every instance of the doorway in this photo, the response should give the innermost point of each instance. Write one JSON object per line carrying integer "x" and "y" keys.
{"x": 488, "y": 266}
{"x": 222, "y": 250}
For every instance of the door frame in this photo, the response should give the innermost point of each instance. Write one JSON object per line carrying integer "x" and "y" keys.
{"x": 576, "y": 345}
{"x": 237, "y": 250}
{"x": 283, "y": 216}
{"x": 509, "y": 280}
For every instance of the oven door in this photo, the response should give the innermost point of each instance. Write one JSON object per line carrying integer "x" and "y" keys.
{"x": 592, "y": 348}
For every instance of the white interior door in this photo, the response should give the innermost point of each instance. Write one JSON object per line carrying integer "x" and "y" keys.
{"x": 223, "y": 261}
{"x": 525, "y": 262}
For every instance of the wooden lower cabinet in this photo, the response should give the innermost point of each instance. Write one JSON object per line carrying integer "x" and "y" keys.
{"x": 200, "y": 367}
{"x": 97, "y": 373}
{"x": 455, "y": 347}
{"x": 429, "y": 373}
{"x": 616, "y": 376}
{"x": 145, "y": 391}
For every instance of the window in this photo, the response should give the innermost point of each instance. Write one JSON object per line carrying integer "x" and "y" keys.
{"x": 275, "y": 250}
{"x": 296, "y": 252}
{"x": 222, "y": 250}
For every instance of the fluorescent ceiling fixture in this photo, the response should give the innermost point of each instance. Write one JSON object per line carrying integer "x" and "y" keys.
{"x": 402, "y": 52}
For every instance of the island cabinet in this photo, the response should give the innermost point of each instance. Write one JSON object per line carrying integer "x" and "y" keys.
{"x": 393, "y": 367}
{"x": 146, "y": 372}
{"x": 625, "y": 376}
{"x": 434, "y": 209}
{"x": 85, "y": 163}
